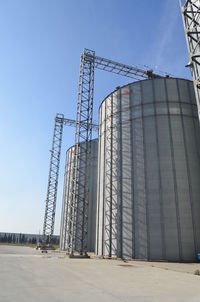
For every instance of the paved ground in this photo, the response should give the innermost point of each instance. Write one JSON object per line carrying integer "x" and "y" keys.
{"x": 28, "y": 275}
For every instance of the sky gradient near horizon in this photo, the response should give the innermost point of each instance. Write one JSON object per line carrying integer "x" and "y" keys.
{"x": 41, "y": 43}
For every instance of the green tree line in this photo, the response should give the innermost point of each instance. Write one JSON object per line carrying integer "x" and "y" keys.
{"x": 21, "y": 238}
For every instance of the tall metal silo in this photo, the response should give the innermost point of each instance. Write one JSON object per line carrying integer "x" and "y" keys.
{"x": 148, "y": 196}
{"x": 64, "y": 229}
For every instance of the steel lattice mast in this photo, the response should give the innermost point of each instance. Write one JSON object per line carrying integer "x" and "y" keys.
{"x": 78, "y": 215}
{"x": 191, "y": 20}
{"x": 77, "y": 220}
{"x": 49, "y": 217}
{"x": 78, "y": 204}
{"x": 50, "y": 208}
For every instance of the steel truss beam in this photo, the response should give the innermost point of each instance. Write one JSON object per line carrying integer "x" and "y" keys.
{"x": 69, "y": 122}
{"x": 191, "y": 20}
{"x": 77, "y": 218}
{"x": 50, "y": 209}
{"x": 124, "y": 70}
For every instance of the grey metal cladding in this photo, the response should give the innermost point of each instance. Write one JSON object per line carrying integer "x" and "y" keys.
{"x": 92, "y": 207}
{"x": 149, "y": 170}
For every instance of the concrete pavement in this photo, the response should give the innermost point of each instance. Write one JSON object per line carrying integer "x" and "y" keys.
{"x": 28, "y": 275}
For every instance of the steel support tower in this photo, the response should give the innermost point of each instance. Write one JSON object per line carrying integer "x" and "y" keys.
{"x": 49, "y": 217}
{"x": 191, "y": 20}
{"x": 50, "y": 208}
{"x": 78, "y": 203}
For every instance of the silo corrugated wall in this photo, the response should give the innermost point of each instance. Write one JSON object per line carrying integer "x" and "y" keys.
{"x": 92, "y": 195}
{"x": 148, "y": 197}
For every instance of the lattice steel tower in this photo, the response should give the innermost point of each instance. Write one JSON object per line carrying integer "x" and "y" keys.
{"x": 191, "y": 20}
{"x": 79, "y": 194}
{"x": 78, "y": 201}
{"x": 50, "y": 208}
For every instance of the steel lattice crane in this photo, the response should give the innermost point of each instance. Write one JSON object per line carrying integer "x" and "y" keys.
{"x": 83, "y": 134}
{"x": 191, "y": 20}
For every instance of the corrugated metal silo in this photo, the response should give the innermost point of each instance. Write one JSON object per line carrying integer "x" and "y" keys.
{"x": 92, "y": 195}
{"x": 148, "y": 204}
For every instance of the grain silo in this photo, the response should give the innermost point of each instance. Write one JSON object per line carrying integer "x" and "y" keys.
{"x": 64, "y": 229}
{"x": 148, "y": 196}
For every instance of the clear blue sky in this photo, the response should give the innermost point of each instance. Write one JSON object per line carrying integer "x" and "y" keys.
{"x": 40, "y": 46}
